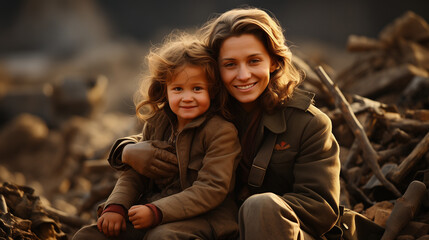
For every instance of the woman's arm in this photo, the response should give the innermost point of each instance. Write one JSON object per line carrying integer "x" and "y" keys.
{"x": 316, "y": 188}
{"x": 147, "y": 157}
{"x": 115, "y": 155}
{"x": 151, "y": 158}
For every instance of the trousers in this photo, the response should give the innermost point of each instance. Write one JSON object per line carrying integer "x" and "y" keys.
{"x": 194, "y": 228}
{"x": 267, "y": 216}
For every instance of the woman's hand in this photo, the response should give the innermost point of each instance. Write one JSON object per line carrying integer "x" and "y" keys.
{"x": 151, "y": 159}
{"x": 141, "y": 216}
{"x": 111, "y": 224}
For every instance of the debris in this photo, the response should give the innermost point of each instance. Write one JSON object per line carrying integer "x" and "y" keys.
{"x": 55, "y": 130}
{"x": 404, "y": 210}
{"x": 26, "y": 217}
{"x": 369, "y": 153}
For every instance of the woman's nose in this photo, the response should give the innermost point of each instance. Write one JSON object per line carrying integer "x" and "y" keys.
{"x": 243, "y": 73}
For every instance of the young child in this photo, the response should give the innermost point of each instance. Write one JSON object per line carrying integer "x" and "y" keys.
{"x": 182, "y": 110}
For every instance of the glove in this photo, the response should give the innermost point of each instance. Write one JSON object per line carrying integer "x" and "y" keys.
{"x": 153, "y": 159}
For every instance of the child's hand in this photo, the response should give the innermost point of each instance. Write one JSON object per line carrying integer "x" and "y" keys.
{"x": 141, "y": 216}
{"x": 111, "y": 224}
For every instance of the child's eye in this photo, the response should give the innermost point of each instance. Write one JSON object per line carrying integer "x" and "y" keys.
{"x": 177, "y": 89}
{"x": 198, "y": 89}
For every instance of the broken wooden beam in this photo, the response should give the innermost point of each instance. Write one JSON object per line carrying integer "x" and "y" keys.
{"x": 369, "y": 154}
{"x": 393, "y": 77}
{"x": 398, "y": 174}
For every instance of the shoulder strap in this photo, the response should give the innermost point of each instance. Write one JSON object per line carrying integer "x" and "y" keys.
{"x": 260, "y": 163}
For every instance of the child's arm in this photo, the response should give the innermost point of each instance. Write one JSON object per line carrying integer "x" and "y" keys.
{"x": 127, "y": 189}
{"x": 126, "y": 192}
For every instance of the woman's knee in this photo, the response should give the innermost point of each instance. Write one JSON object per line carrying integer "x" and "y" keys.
{"x": 263, "y": 202}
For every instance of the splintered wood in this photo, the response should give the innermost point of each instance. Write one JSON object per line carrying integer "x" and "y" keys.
{"x": 391, "y": 63}
{"x": 380, "y": 117}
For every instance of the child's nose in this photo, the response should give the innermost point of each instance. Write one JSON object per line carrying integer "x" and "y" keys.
{"x": 187, "y": 96}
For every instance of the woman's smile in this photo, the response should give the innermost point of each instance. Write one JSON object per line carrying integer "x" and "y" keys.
{"x": 246, "y": 87}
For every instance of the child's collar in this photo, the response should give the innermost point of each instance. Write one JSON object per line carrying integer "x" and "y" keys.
{"x": 196, "y": 122}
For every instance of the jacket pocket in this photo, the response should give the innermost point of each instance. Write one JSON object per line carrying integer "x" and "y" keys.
{"x": 283, "y": 157}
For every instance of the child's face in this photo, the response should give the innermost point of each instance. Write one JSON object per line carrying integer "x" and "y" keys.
{"x": 188, "y": 94}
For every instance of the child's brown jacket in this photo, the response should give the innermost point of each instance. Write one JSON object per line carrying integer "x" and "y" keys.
{"x": 208, "y": 151}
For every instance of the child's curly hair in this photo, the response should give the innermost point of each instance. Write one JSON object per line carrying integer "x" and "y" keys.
{"x": 178, "y": 50}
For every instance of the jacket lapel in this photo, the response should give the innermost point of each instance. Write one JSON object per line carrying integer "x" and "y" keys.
{"x": 183, "y": 147}
{"x": 276, "y": 124}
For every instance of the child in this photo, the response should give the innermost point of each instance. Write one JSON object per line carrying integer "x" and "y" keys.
{"x": 179, "y": 110}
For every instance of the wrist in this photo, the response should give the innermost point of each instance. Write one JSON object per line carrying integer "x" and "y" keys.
{"x": 157, "y": 214}
{"x": 116, "y": 208}
{"x": 125, "y": 153}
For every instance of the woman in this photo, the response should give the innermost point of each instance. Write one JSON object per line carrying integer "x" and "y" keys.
{"x": 288, "y": 179}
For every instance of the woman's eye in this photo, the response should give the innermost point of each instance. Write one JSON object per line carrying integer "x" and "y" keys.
{"x": 227, "y": 65}
{"x": 253, "y": 61}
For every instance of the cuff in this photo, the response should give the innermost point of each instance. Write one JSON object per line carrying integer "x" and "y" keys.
{"x": 116, "y": 208}
{"x": 115, "y": 154}
{"x": 157, "y": 214}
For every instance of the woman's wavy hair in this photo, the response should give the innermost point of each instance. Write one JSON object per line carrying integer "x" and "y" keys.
{"x": 178, "y": 50}
{"x": 267, "y": 29}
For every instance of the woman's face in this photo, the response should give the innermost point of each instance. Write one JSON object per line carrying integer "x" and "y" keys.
{"x": 245, "y": 68}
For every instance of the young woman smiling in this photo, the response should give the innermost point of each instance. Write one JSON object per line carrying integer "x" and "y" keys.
{"x": 288, "y": 179}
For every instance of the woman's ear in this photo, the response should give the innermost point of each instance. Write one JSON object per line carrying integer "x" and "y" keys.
{"x": 273, "y": 66}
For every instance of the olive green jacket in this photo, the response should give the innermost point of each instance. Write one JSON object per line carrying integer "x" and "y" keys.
{"x": 304, "y": 168}
{"x": 208, "y": 151}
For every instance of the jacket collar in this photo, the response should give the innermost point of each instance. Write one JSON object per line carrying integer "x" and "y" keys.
{"x": 196, "y": 122}
{"x": 276, "y": 122}
{"x": 170, "y": 117}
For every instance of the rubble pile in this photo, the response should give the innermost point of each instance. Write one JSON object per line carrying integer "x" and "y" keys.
{"x": 65, "y": 167}
{"x": 22, "y": 216}
{"x": 55, "y": 135}
{"x": 393, "y": 68}
{"x": 386, "y": 88}
{"x": 65, "y": 96}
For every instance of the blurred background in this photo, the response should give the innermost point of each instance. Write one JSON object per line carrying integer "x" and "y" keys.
{"x": 46, "y": 40}
{"x": 69, "y": 69}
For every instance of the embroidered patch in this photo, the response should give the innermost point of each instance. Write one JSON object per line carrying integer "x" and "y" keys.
{"x": 282, "y": 146}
